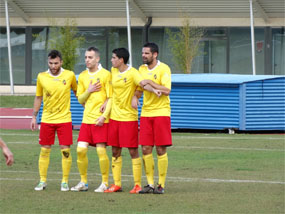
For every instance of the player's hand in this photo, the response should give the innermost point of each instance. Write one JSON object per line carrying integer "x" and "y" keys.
{"x": 157, "y": 92}
{"x": 8, "y": 156}
{"x": 33, "y": 123}
{"x": 135, "y": 102}
{"x": 94, "y": 87}
{"x": 100, "y": 121}
{"x": 103, "y": 107}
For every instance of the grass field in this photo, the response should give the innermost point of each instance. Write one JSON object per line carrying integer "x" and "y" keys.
{"x": 17, "y": 101}
{"x": 208, "y": 173}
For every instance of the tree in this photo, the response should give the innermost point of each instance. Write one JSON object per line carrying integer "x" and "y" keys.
{"x": 66, "y": 40}
{"x": 184, "y": 44}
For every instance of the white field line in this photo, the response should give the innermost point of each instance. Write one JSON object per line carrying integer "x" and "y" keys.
{"x": 226, "y": 148}
{"x": 180, "y": 179}
{"x": 16, "y": 117}
{"x": 27, "y": 135}
{"x": 213, "y": 180}
{"x": 20, "y": 108}
{"x": 178, "y": 136}
{"x": 15, "y": 134}
{"x": 187, "y": 147}
{"x": 228, "y": 138}
{"x": 50, "y": 179}
{"x": 35, "y": 143}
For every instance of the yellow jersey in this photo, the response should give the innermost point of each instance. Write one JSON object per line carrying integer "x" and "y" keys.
{"x": 97, "y": 98}
{"x": 124, "y": 85}
{"x": 55, "y": 91}
{"x": 154, "y": 106}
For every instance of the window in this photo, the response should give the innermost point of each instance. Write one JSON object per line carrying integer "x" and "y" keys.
{"x": 18, "y": 48}
{"x": 278, "y": 51}
{"x": 39, "y": 53}
{"x": 240, "y": 51}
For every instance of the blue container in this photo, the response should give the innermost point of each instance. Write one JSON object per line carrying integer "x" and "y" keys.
{"x": 228, "y": 101}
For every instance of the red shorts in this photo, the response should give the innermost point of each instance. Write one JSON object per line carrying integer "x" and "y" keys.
{"x": 93, "y": 134}
{"x": 64, "y": 133}
{"x": 155, "y": 131}
{"x": 123, "y": 134}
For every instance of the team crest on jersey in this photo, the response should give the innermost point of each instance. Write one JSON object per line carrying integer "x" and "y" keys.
{"x": 155, "y": 76}
{"x": 48, "y": 94}
{"x": 64, "y": 82}
{"x": 125, "y": 79}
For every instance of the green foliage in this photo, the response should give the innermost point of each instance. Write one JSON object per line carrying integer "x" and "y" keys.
{"x": 184, "y": 44}
{"x": 66, "y": 40}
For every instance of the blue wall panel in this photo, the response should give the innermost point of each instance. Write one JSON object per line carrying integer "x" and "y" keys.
{"x": 265, "y": 105}
{"x": 198, "y": 106}
{"x": 76, "y": 110}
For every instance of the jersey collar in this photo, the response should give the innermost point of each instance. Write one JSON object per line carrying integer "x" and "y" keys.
{"x": 157, "y": 64}
{"x": 99, "y": 69}
{"x": 61, "y": 70}
{"x": 129, "y": 67}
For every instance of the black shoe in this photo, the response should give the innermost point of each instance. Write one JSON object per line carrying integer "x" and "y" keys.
{"x": 147, "y": 189}
{"x": 158, "y": 190}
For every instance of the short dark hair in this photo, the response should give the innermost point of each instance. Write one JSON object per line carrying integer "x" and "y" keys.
{"x": 153, "y": 47}
{"x": 54, "y": 53}
{"x": 122, "y": 53}
{"x": 96, "y": 50}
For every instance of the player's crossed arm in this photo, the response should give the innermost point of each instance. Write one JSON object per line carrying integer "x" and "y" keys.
{"x": 147, "y": 86}
{"x": 164, "y": 90}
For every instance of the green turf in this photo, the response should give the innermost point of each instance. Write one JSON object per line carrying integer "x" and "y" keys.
{"x": 193, "y": 160}
{"x": 17, "y": 101}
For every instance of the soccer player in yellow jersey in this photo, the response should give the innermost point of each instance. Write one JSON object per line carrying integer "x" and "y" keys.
{"x": 155, "y": 127}
{"x": 123, "y": 126}
{"x": 93, "y": 90}
{"x": 53, "y": 87}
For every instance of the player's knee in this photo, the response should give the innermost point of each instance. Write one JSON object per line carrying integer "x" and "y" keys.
{"x": 134, "y": 152}
{"x": 146, "y": 150}
{"x": 116, "y": 152}
{"x": 161, "y": 150}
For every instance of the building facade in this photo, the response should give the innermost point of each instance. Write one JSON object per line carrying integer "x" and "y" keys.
{"x": 225, "y": 47}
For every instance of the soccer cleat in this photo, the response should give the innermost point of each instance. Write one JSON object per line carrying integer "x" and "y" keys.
{"x": 158, "y": 190}
{"x": 147, "y": 189}
{"x": 64, "y": 187}
{"x": 101, "y": 188}
{"x": 41, "y": 186}
{"x": 114, "y": 188}
{"x": 136, "y": 189}
{"x": 81, "y": 186}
